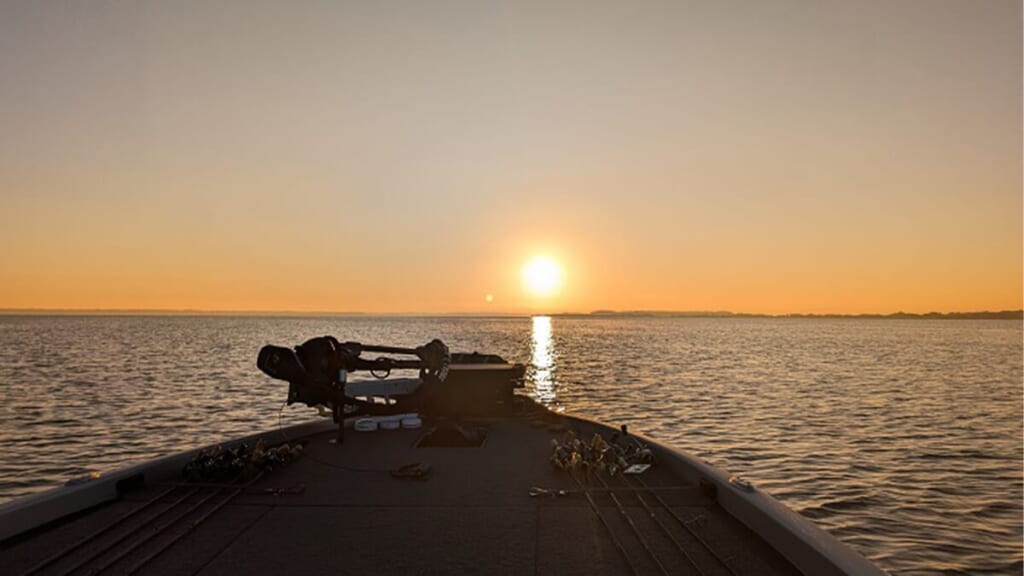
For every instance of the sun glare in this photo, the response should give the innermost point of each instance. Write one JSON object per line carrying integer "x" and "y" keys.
{"x": 542, "y": 276}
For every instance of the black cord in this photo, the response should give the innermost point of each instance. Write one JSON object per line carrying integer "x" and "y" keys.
{"x": 280, "y": 429}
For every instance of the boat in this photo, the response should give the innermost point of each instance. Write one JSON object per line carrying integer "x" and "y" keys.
{"x": 448, "y": 471}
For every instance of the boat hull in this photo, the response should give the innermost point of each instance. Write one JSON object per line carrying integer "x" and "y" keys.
{"x": 682, "y": 514}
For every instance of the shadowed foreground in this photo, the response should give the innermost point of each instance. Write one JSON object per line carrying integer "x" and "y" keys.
{"x": 472, "y": 514}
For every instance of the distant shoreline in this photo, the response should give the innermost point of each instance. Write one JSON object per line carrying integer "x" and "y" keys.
{"x": 979, "y": 315}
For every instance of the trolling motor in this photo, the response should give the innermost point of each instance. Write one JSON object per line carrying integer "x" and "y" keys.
{"x": 317, "y": 370}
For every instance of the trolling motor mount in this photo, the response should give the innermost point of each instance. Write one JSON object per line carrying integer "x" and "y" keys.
{"x": 318, "y": 369}
{"x": 450, "y": 385}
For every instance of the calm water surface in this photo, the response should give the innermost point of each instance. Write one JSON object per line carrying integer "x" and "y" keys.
{"x": 901, "y": 437}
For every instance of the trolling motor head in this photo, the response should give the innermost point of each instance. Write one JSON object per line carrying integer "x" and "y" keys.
{"x": 281, "y": 363}
{"x": 317, "y": 370}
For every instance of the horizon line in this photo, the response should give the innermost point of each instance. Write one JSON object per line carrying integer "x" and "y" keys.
{"x": 1006, "y": 313}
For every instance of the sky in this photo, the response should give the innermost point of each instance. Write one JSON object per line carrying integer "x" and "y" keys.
{"x": 763, "y": 157}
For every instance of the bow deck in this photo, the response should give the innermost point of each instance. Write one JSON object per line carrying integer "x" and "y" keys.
{"x": 337, "y": 508}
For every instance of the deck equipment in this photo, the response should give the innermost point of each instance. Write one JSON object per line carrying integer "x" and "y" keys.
{"x": 318, "y": 374}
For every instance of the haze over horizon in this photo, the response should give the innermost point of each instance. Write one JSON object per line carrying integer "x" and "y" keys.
{"x": 792, "y": 157}
{"x": 1001, "y": 314}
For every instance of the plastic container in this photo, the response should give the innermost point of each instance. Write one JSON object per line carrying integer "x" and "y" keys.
{"x": 365, "y": 425}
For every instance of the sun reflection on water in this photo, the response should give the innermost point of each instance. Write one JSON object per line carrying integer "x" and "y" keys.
{"x": 542, "y": 362}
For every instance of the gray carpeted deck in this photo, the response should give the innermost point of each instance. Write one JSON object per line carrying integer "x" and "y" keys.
{"x": 473, "y": 515}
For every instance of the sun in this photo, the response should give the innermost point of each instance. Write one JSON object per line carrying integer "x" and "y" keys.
{"x": 542, "y": 276}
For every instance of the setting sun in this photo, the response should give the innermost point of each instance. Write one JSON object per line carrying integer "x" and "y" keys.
{"x": 542, "y": 276}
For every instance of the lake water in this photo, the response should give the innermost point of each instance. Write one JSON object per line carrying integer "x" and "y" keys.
{"x": 901, "y": 437}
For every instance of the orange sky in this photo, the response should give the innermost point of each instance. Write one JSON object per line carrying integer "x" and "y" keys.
{"x": 411, "y": 157}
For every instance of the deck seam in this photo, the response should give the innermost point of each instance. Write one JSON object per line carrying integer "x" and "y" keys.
{"x": 536, "y": 539}
{"x": 433, "y": 506}
{"x": 230, "y": 543}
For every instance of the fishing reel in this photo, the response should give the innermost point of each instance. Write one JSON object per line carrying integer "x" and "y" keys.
{"x": 317, "y": 370}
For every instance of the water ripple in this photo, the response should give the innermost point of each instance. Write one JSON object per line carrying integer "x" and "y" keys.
{"x": 902, "y": 438}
